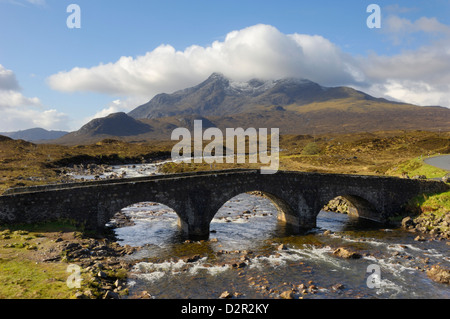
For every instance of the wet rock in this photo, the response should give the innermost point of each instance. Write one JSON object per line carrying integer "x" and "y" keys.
{"x": 288, "y": 294}
{"x": 337, "y": 287}
{"x": 225, "y": 295}
{"x": 338, "y": 205}
{"x": 282, "y": 247}
{"x": 301, "y": 287}
{"x": 111, "y": 295}
{"x": 419, "y": 238}
{"x": 439, "y": 274}
{"x": 345, "y": 253}
{"x": 192, "y": 259}
{"x": 408, "y": 223}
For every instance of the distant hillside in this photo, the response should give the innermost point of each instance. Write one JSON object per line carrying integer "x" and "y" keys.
{"x": 113, "y": 125}
{"x": 34, "y": 134}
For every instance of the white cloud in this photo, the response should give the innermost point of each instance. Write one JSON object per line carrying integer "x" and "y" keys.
{"x": 259, "y": 51}
{"x": 395, "y": 24}
{"x": 20, "y": 112}
{"x": 24, "y": 118}
{"x": 420, "y": 76}
{"x": 115, "y": 106}
{"x": 8, "y": 80}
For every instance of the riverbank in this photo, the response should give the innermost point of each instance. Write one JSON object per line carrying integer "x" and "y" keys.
{"x": 430, "y": 213}
{"x": 37, "y": 262}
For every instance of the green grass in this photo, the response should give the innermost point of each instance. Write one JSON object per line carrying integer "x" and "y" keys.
{"x": 433, "y": 209}
{"x": 25, "y": 279}
{"x": 417, "y": 166}
{"x": 439, "y": 204}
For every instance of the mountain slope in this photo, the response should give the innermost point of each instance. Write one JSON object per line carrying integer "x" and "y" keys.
{"x": 113, "y": 125}
{"x": 295, "y": 106}
{"x": 219, "y": 96}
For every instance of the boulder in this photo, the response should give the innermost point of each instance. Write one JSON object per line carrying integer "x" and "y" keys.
{"x": 347, "y": 254}
{"x": 288, "y": 294}
{"x": 408, "y": 222}
{"x": 225, "y": 295}
{"x": 439, "y": 274}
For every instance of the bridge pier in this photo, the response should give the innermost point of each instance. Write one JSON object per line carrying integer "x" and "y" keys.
{"x": 194, "y": 231}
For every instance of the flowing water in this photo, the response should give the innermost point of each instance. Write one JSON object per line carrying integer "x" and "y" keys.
{"x": 244, "y": 256}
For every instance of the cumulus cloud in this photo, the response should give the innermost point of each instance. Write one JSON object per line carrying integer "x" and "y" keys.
{"x": 396, "y": 24}
{"x": 8, "y": 79}
{"x": 21, "y": 112}
{"x": 259, "y": 51}
{"x": 420, "y": 76}
{"x": 118, "y": 105}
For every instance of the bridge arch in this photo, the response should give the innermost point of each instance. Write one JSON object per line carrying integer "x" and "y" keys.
{"x": 282, "y": 207}
{"x": 146, "y": 223}
{"x": 107, "y": 208}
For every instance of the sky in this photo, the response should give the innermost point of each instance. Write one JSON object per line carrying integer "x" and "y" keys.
{"x": 58, "y": 77}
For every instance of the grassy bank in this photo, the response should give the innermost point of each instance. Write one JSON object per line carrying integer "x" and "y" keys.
{"x": 432, "y": 214}
{"x": 417, "y": 167}
{"x": 25, "y": 270}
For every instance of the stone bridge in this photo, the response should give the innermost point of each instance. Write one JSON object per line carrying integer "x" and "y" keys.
{"x": 196, "y": 197}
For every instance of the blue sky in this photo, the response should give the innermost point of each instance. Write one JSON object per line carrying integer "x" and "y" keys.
{"x": 127, "y": 51}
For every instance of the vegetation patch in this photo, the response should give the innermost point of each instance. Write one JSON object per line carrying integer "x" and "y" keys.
{"x": 432, "y": 213}
{"x": 417, "y": 167}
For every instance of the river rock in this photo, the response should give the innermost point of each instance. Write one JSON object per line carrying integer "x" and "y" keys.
{"x": 345, "y": 253}
{"x": 439, "y": 274}
{"x": 111, "y": 295}
{"x": 225, "y": 295}
{"x": 288, "y": 294}
{"x": 408, "y": 222}
{"x": 337, "y": 287}
{"x": 419, "y": 238}
{"x": 192, "y": 259}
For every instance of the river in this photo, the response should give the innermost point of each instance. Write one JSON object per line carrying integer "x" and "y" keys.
{"x": 251, "y": 255}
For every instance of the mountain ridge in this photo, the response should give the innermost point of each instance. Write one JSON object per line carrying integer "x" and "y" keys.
{"x": 220, "y": 96}
{"x": 295, "y": 106}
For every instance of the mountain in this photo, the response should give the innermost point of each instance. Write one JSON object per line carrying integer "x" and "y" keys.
{"x": 114, "y": 125}
{"x": 34, "y": 134}
{"x": 295, "y": 106}
{"x": 219, "y": 96}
